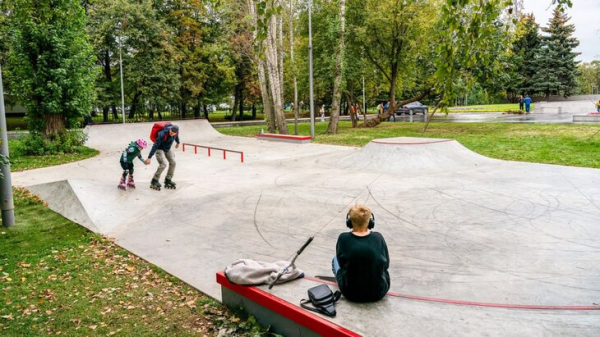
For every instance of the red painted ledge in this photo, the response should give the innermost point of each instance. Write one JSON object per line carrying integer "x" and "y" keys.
{"x": 290, "y": 137}
{"x": 286, "y": 309}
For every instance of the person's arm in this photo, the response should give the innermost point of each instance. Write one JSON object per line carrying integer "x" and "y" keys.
{"x": 385, "y": 253}
{"x": 177, "y": 140}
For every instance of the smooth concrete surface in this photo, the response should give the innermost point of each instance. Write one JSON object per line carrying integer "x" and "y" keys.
{"x": 589, "y": 118}
{"x": 572, "y": 107}
{"x": 458, "y": 225}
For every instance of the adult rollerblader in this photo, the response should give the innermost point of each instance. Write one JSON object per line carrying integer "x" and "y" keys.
{"x": 127, "y": 157}
{"x": 163, "y": 135}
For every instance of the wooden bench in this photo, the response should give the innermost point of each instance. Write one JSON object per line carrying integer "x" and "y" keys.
{"x": 284, "y": 138}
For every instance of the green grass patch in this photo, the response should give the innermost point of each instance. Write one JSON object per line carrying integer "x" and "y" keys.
{"x": 57, "y": 278}
{"x": 20, "y": 162}
{"x": 488, "y": 108}
{"x": 563, "y": 144}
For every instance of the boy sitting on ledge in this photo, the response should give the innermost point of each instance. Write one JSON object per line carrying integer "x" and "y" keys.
{"x": 361, "y": 261}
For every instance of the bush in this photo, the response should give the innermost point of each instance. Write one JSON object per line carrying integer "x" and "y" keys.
{"x": 245, "y": 117}
{"x": 34, "y": 144}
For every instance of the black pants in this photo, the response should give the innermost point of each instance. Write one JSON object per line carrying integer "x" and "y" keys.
{"x": 127, "y": 167}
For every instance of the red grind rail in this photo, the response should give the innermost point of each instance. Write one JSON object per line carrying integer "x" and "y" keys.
{"x": 478, "y": 304}
{"x": 286, "y": 309}
{"x": 290, "y": 137}
{"x": 212, "y": 148}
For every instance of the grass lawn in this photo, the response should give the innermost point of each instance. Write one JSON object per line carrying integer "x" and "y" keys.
{"x": 58, "y": 278}
{"x": 488, "y": 108}
{"x": 564, "y": 144}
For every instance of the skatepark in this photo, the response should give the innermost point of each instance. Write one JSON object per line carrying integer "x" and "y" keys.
{"x": 485, "y": 247}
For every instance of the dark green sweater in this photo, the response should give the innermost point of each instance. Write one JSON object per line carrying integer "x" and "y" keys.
{"x": 131, "y": 152}
{"x": 364, "y": 263}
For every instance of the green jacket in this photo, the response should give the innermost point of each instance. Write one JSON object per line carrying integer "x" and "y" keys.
{"x": 131, "y": 152}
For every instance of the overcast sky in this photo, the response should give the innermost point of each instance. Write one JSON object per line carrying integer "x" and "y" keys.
{"x": 585, "y": 15}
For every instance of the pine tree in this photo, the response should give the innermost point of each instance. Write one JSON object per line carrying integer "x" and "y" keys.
{"x": 524, "y": 50}
{"x": 555, "y": 65}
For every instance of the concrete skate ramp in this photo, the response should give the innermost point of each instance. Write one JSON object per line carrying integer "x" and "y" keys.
{"x": 407, "y": 154}
{"x": 62, "y": 199}
{"x": 478, "y": 229}
{"x": 117, "y": 136}
{"x": 565, "y": 107}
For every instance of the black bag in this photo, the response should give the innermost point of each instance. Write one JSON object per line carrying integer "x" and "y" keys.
{"x": 322, "y": 298}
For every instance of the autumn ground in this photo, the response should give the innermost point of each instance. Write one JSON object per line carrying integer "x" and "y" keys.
{"x": 57, "y": 278}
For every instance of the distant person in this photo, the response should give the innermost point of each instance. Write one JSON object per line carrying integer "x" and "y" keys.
{"x": 598, "y": 106}
{"x": 527, "y": 100}
{"x": 520, "y": 102}
{"x": 163, "y": 140}
{"x": 127, "y": 158}
{"x": 361, "y": 260}
{"x": 353, "y": 112}
{"x": 322, "y": 111}
{"x": 380, "y": 108}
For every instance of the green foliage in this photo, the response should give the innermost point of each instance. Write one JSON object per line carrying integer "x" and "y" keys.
{"x": 588, "y": 79}
{"x": 52, "y": 62}
{"x": 35, "y": 144}
{"x": 555, "y": 65}
{"x": 521, "y": 67}
{"x": 467, "y": 30}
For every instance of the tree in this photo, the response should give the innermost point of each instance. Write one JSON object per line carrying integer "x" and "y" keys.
{"x": 394, "y": 41}
{"x": 268, "y": 38}
{"x": 556, "y": 68}
{"x": 588, "y": 79}
{"x": 338, "y": 73}
{"x": 522, "y": 57}
{"x": 53, "y": 63}
{"x": 466, "y": 28}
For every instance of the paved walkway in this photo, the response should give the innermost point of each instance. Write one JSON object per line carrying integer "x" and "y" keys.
{"x": 459, "y": 226}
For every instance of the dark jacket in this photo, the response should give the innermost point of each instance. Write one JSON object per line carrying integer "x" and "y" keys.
{"x": 130, "y": 153}
{"x": 364, "y": 263}
{"x": 162, "y": 142}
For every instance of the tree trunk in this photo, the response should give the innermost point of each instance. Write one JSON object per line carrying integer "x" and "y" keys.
{"x": 115, "y": 113}
{"x": 293, "y": 66}
{"x": 105, "y": 114}
{"x": 384, "y": 116}
{"x": 338, "y": 73}
{"x": 54, "y": 124}
{"x": 134, "y": 104}
{"x": 183, "y": 108}
{"x": 274, "y": 73}
{"x": 253, "y": 111}
{"x": 205, "y": 112}
{"x": 242, "y": 103}
{"x": 263, "y": 77}
{"x": 197, "y": 108}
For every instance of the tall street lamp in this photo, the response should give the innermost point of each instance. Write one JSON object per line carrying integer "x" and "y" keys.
{"x": 121, "y": 68}
{"x": 310, "y": 72}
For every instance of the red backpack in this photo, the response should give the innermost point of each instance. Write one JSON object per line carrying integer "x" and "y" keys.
{"x": 156, "y": 128}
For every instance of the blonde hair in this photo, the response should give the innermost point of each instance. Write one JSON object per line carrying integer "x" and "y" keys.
{"x": 360, "y": 215}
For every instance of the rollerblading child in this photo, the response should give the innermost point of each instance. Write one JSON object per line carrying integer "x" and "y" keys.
{"x": 133, "y": 150}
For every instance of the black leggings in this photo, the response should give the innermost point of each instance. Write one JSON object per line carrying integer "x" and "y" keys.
{"x": 127, "y": 167}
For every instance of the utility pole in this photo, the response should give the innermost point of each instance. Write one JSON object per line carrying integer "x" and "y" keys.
{"x": 7, "y": 203}
{"x": 122, "y": 91}
{"x": 364, "y": 101}
{"x": 310, "y": 72}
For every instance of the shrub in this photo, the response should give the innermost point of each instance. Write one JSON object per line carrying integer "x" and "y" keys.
{"x": 34, "y": 144}
{"x": 245, "y": 117}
